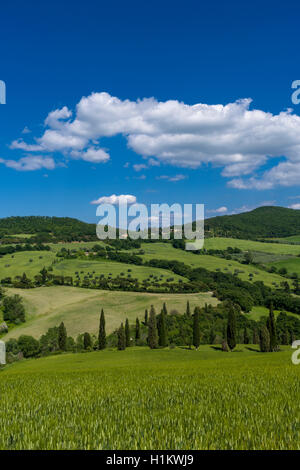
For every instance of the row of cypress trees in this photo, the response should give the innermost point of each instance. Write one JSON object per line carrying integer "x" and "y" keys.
{"x": 157, "y": 331}
{"x": 267, "y": 337}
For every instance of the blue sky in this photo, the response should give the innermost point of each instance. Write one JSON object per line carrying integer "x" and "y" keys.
{"x": 55, "y": 53}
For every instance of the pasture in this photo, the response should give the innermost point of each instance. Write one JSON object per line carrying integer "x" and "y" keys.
{"x": 167, "y": 252}
{"x": 80, "y": 308}
{"x": 160, "y": 399}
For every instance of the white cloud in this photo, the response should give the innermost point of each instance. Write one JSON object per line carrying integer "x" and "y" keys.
{"x": 30, "y": 163}
{"x": 172, "y": 179}
{"x": 92, "y": 154}
{"x": 220, "y": 210}
{"x": 294, "y": 206}
{"x": 116, "y": 200}
{"x": 230, "y": 136}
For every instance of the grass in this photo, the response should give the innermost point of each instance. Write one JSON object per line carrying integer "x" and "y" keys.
{"x": 258, "y": 311}
{"x": 249, "y": 245}
{"x": 18, "y": 263}
{"x": 212, "y": 263}
{"x": 107, "y": 267}
{"x": 162, "y": 399}
{"x": 292, "y": 265}
{"x": 80, "y": 309}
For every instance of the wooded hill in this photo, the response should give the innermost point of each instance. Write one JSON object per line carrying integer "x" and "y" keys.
{"x": 266, "y": 221}
{"x": 60, "y": 228}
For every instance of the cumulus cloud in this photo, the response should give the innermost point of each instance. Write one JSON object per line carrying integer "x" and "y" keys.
{"x": 230, "y": 136}
{"x": 116, "y": 200}
{"x": 294, "y": 206}
{"x": 220, "y": 210}
{"x": 30, "y": 163}
{"x": 92, "y": 154}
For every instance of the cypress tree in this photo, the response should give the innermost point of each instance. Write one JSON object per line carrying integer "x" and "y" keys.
{"x": 271, "y": 325}
{"x": 246, "y": 336}
{"x": 264, "y": 339}
{"x": 224, "y": 332}
{"x": 196, "y": 328}
{"x": 62, "y": 337}
{"x": 137, "y": 330}
{"x": 188, "y": 309}
{"x": 152, "y": 329}
{"x": 286, "y": 337}
{"x": 162, "y": 330}
{"x": 146, "y": 317}
{"x": 87, "y": 341}
{"x": 121, "y": 338}
{"x": 212, "y": 336}
{"x": 231, "y": 328}
{"x": 255, "y": 339}
{"x": 164, "y": 309}
{"x": 102, "y": 334}
{"x": 127, "y": 333}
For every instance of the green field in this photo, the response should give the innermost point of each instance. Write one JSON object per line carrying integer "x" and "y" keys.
{"x": 113, "y": 268}
{"x": 212, "y": 263}
{"x": 161, "y": 399}
{"x": 259, "y": 311}
{"x": 18, "y": 263}
{"x": 80, "y": 309}
{"x": 292, "y": 265}
{"x": 249, "y": 245}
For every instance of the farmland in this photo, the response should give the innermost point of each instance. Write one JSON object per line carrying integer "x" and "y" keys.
{"x": 212, "y": 263}
{"x": 80, "y": 308}
{"x": 142, "y": 399}
{"x": 250, "y": 245}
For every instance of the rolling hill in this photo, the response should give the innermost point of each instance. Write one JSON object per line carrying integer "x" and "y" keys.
{"x": 263, "y": 222}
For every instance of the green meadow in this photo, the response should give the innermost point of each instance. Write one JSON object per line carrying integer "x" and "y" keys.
{"x": 167, "y": 252}
{"x": 30, "y": 262}
{"x": 80, "y": 308}
{"x": 292, "y": 265}
{"x": 152, "y": 399}
{"x": 249, "y": 245}
{"x": 113, "y": 268}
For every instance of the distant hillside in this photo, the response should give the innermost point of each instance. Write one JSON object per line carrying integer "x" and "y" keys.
{"x": 61, "y": 228}
{"x": 266, "y": 221}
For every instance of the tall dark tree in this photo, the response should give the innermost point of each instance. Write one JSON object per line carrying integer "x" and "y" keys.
{"x": 196, "y": 328}
{"x": 271, "y": 325}
{"x": 246, "y": 338}
{"x": 162, "y": 330}
{"x": 127, "y": 333}
{"x": 212, "y": 336}
{"x": 87, "y": 341}
{"x": 62, "y": 337}
{"x": 231, "y": 328}
{"x": 164, "y": 309}
{"x": 188, "y": 309}
{"x": 255, "y": 339}
{"x": 146, "y": 317}
{"x": 152, "y": 330}
{"x": 137, "y": 330}
{"x": 264, "y": 339}
{"x": 286, "y": 337}
{"x": 102, "y": 333}
{"x": 121, "y": 338}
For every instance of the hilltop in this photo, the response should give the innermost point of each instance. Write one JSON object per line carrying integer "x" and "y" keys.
{"x": 48, "y": 228}
{"x": 263, "y": 222}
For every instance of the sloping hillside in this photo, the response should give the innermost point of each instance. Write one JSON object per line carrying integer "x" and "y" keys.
{"x": 267, "y": 221}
